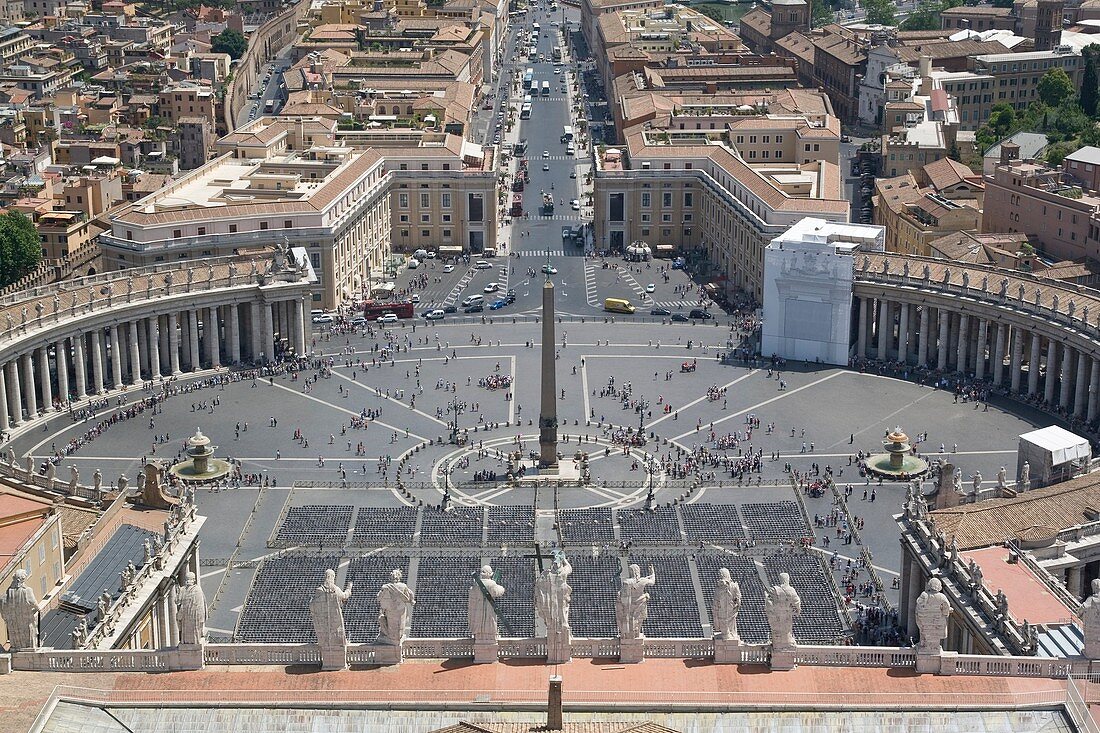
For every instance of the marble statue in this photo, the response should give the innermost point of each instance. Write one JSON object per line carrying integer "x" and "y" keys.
{"x": 1071, "y": 308}
{"x": 38, "y": 308}
{"x": 977, "y": 481}
{"x": 51, "y": 472}
{"x": 985, "y": 283}
{"x": 886, "y": 267}
{"x": 11, "y": 457}
{"x": 103, "y": 605}
{"x": 782, "y": 605}
{"x": 28, "y": 465}
{"x": 946, "y": 275}
{"x": 97, "y": 482}
{"x": 1090, "y": 622}
{"x": 1002, "y": 603}
{"x": 957, "y": 481}
{"x": 927, "y": 272}
{"x": 56, "y": 303}
{"x": 23, "y": 315}
{"x": 933, "y": 608}
{"x": 1020, "y": 297}
{"x": 1025, "y": 476}
{"x": 123, "y": 483}
{"x": 976, "y": 577}
{"x": 1038, "y": 296}
{"x": 129, "y": 286}
{"x": 1002, "y": 477}
{"x": 147, "y": 548}
{"x": 190, "y": 275}
{"x": 232, "y": 270}
{"x": 11, "y": 324}
{"x": 326, "y": 610}
{"x": 167, "y": 280}
{"x": 632, "y": 602}
{"x": 905, "y": 269}
{"x": 1085, "y": 313}
{"x": 19, "y": 609}
{"x": 481, "y": 611}
{"x": 191, "y": 611}
{"x": 552, "y": 595}
{"x": 1004, "y": 287}
{"x": 866, "y": 263}
{"x": 74, "y": 479}
{"x": 395, "y": 601}
{"x": 966, "y": 280}
{"x": 727, "y": 603}
{"x": 1054, "y": 303}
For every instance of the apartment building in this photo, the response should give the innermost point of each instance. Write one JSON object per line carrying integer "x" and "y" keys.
{"x": 186, "y": 99}
{"x": 63, "y": 232}
{"x": 926, "y": 204}
{"x": 591, "y": 10}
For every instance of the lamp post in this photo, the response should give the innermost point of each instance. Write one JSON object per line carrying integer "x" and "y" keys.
{"x": 455, "y": 408}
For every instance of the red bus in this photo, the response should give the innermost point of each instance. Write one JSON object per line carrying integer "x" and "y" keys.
{"x": 372, "y": 309}
{"x": 517, "y": 205}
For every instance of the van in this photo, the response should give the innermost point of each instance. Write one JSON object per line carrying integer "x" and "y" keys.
{"x": 421, "y": 254}
{"x": 570, "y": 149}
{"x": 471, "y": 299}
{"x": 618, "y": 305}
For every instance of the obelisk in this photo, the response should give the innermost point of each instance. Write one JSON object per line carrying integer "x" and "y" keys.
{"x": 548, "y": 411}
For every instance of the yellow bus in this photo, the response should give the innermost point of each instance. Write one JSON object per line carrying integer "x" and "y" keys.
{"x": 618, "y": 305}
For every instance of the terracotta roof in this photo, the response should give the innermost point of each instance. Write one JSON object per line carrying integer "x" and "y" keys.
{"x": 910, "y": 54}
{"x": 946, "y": 172}
{"x": 74, "y": 521}
{"x": 993, "y": 521}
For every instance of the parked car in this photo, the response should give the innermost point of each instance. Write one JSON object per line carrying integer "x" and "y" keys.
{"x": 323, "y": 318}
{"x": 450, "y": 308}
{"x": 434, "y": 315}
{"x": 575, "y": 205}
{"x": 700, "y": 314}
{"x": 475, "y": 308}
{"x": 497, "y": 304}
{"x": 492, "y": 288}
{"x": 482, "y": 265}
{"x": 679, "y": 318}
{"x": 448, "y": 268}
{"x": 650, "y": 288}
{"x": 660, "y": 312}
{"x": 387, "y": 318}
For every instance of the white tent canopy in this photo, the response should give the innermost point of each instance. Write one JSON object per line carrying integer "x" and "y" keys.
{"x": 1053, "y": 454}
{"x": 1062, "y": 445}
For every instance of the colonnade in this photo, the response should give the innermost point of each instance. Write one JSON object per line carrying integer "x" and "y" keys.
{"x": 71, "y": 365}
{"x": 1032, "y": 358}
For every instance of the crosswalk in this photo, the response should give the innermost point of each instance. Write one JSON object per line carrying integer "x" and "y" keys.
{"x": 534, "y": 218}
{"x": 553, "y": 157}
{"x": 541, "y": 253}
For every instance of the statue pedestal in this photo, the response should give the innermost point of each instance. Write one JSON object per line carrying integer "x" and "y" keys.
{"x": 486, "y": 652}
{"x": 333, "y": 658}
{"x": 5, "y": 664}
{"x": 727, "y": 651}
{"x": 783, "y": 659}
{"x": 932, "y": 662}
{"x": 387, "y": 654}
{"x": 559, "y": 648}
{"x": 631, "y": 651}
{"x": 189, "y": 656}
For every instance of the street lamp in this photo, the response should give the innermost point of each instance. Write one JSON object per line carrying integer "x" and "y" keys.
{"x": 456, "y": 408}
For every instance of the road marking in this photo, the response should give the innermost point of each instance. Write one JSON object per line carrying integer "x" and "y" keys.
{"x": 695, "y": 402}
{"x": 351, "y": 412}
{"x": 356, "y": 382}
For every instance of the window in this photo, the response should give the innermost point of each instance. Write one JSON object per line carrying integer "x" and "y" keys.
{"x": 404, "y": 167}
{"x": 404, "y": 219}
{"x": 41, "y": 554}
{"x": 232, "y": 228}
{"x": 423, "y": 166}
{"x": 666, "y": 199}
{"x": 446, "y": 233}
{"x": 288, "y": 224}
{"x": 666, "y": 218}
{"x": 424, "y": 200}
{"x": 177, "y": 233}
{"x": 202, "y": 231}
{"x": 446, "y": 218}
{"x": 263, "y": 225}
{"x": 446, "y": 201}
{"x": 688, "y": 199}
{"x": 425, "y": 233}
{"x": 645, "y": 231}
{"x": 645, "y": 218}
{"x": 645, "y": 200}
{"x": 425, "y": 218}
{"x": 402, "y": 200}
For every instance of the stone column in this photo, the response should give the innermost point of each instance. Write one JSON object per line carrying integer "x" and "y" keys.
{"x": 174, "y": 343}
{"x": 28, "y": 386}
{"x": 1094, "y": 391}
{"x": 15, "y": 393}
{"x": 903, "y": 334}
{"x": 212, "y": 331}
{"x": 942, "y": 348}
{"x": 999, "y": 353}
{"x": 116, "y": 358}
{"x": 61, "y": 356}
{"x": 97, "y": 361}
{"x": 193, "y": 329}
{"x": 152, "y": 346}
{"x": 1066, "y": 370}
{"x": 173, "y": 627}
{"x": 80, "y": 367}
{"x": 1081, "y": 385}
{"x": 1052, "y": 372}
{"x": 299, "y": 326}
{"x": 922, "y": 338}
{"x": 135, "y": 355}
{"x": 983, "y": 345}
{"x": 5, "y": 416}
{"x": 267, "y": 331}
{"x": 44, "y": 378}
{"x": 255, "y": 328}
{"x": 964, "y": 321}
{"x": 1016, "y": 366}
{"x": 1034, "y": 360}
{"x": 885, "y": 328}
{"x": 233, "y": 334}
{"x": 861, "y": 334}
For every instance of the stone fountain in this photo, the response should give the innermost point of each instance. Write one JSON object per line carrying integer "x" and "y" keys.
{"x": 896, "y": 462}
{"x": 201, "y": 464}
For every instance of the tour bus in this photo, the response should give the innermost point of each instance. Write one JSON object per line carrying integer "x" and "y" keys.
{"x": 567, "y": 134}
{"x": 373, "y": 309}
{"x": 535, "y": 28}
{"x": 525, "y": 111}
{"x": 556, "y": 53}
{"x": 527, "y": 77}
{"x": 546, "y": 89}
{"x": 269, "y": 106}
{"x": 618, "y": 305}
{"x": 534, "y": 88}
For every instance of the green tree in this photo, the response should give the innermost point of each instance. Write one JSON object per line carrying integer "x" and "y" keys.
{"x": 1054, "y": 87}
{"x": 1002, "y": 3}
{"x": 924, "y": 18}
{"x": 821, "y": 13}
{"x": 1090, "y": 85}
{"x": 1056, "y": 153}
{"x": 1001, "y": 119}
{"x": 20, "y": 247}
{"x": 879, "y": 11}
{"x": 229, "y": 41}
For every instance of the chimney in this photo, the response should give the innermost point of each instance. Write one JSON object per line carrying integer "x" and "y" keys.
{"x": 1009, "y": 152}
{"x": 925, "y": 66}
{"x": 553, "y": 704}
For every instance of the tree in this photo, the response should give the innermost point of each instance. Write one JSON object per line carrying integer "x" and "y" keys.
{"x": 20, "y": 247}
{"x": 1056, "y": 153}
{"x": 1001, "y": 118}
{"x": 924, "y": 18}
{"x": 1090, "y": 86}
{"x": 229, "y": 41}
{"x": 1002, "y": 3}
{"x": 821, "y": 14}
{"x": 1054, "y": 87}
{"x": 879, "y": 11}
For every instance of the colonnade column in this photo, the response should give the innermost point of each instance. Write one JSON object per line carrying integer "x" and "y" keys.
{"x": 193, "y": 334}
{"x": 903, "y": 334}
{"x": 152, "y": 347}
{"x": 80, "y": 367}
{"x": 1052, "y": 372}
{"x": 941, "y": 361}
{"x": 116, "y": 358}
{"x": 999, "y": 353}
{"x": 135, "y": 355}
{"x": 1082, "y": 384}
{"x": 960, "y": 365}
{"x": 44, "y": 378}
{"x": 97, "y": 361}
{"x": 299, "y": 326}
{"x": 173, "y": 344}
{"x": 1094, "y": 391}
{"x": 254, "y": 328}
{"x": 212, "y": 331}
{"x": 885, "y": 327}
{"x": 1017, "y": 363}
{"x": 15, "y": 396}
{"x": 983, "y": 343}
{"x": 233, "y": 334}
{"x": 61, "y": 356}
{"x": 922, "y": 339}
{"x": 267, "y": 331}
{"x": 861, "y": 334}
{"x": 1066, "y": 370}
{"x": 5, "y": 418}
{"x": 28, "y": 386}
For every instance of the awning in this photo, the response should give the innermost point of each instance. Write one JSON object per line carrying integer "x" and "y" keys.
{"x": 451, "y": 249}
{"x": 665, "y": 247}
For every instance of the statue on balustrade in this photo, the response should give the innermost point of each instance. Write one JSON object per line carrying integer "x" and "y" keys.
{"x": 632, "y": 602}
{"x": 782, "y": 606}
{"x": 51, "y": 472}
{"x": 11, "y": 457}
{"x": 481, "y": 606}
{"x": 28, "y": 465}
{"x": 19, "y": 609}
{"x": 97, "y": 483}
{"x": 933, "y": 610}
{"x": 326, "y": 610}
{"x": 1025, "y": 477}
{"x": 553, "y": 594}
{"x": 395, "y": 600}
{"x": 191, "y": 612}
{"x": 74, "y": 479}
{"x": 1002, "y": 478}
{"x": 976, "y": 577}
{"x": 1090, "y": 622}
{"x": 727, "y": 603}
{"x": 977, "y": 482}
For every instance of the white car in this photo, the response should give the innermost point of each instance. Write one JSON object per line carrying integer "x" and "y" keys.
{"x": 413, "y": 263}
{"x": 482, "y": 265}
{"x": 549, "y": 270}
{"x": 434, "y": 315}
{"x": 575, "y": 204}
{"x": 387, "y": 318}
{"x": 448, "y": 268}
{"x": 492, "y": 288}
{"x": 650, "y": 288}
{"x": 546, "y": 153}
{"x": 414, "y": 298}
{"x": 431, "y": 254}
{"x": 323, "y": 318}
{"x": 546, "y": 166}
